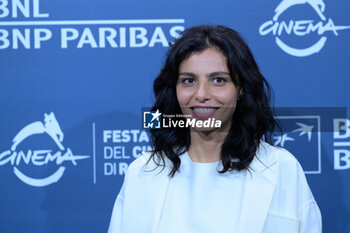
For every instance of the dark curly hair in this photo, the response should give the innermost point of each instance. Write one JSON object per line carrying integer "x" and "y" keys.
{"x": 252, "y": 119}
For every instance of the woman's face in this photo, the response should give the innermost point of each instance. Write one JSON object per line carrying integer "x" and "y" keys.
{"x": 205, "y": 88}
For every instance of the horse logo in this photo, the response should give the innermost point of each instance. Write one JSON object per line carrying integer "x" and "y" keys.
{"x": 50, "y": 126}
{"x": 317, "y": 5}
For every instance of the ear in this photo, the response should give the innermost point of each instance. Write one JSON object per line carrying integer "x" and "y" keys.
{"x": 45, "y": 115}
{"x": 240, "y": 94}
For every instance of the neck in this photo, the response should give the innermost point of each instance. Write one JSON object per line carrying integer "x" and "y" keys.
{"x": 206, "y": 146}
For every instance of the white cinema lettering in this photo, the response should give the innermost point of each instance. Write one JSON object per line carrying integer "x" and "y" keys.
{"x": 298, "y": 27}
{"x": 38, "y": 157}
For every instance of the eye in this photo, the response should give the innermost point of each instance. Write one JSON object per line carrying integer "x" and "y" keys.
{"x": 218, "y": 81}
{"x": 188, "y": 81}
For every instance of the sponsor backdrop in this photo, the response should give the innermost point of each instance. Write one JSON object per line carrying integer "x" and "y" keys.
{"x": 75, "y": 75}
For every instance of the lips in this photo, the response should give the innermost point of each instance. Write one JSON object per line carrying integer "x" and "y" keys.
{"x": 203, "y": 112}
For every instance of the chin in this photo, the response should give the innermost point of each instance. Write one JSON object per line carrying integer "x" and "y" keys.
{"x": 205, "y": 130}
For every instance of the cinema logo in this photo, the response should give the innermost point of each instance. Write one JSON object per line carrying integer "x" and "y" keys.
{"x": 157, "y": 120}
{"x": 300, "y": 27}
{"x": 40, "y": 157}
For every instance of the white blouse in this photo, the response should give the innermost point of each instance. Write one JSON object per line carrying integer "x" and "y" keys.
{"x": 272, "y": 197}
{"x": 199, "y": 199}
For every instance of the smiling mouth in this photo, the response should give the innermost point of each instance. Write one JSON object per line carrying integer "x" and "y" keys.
{"x": 203, "y": 112}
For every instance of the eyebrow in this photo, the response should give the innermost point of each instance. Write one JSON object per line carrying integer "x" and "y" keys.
{"x": 216, "y": 73}
{"x": 219, "y": 73}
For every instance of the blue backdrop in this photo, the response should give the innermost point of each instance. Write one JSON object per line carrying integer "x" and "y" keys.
{"x": 74, "y": 76}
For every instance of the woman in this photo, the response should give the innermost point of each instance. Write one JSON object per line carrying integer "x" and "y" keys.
{"x": 209, "y": 179}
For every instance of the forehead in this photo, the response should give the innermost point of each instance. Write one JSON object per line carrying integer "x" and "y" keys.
{"x": 209, "y": 60}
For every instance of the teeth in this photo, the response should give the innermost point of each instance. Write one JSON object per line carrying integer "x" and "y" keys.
{"x": 204, "y": 110}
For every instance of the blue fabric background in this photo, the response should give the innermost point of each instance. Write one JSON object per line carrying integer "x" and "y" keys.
{"x": 95, "y": 91}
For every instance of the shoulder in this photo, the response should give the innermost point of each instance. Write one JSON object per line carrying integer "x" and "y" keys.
{"x": 292, "y": 191}
{"x": 291, "y": 177}
{"x": 281, "y": 154}
{"x": 140, "y": 161}
{"x": 277, "y": 162}
{"x": 149, "y": 163}
{"x": 267, "y": 155}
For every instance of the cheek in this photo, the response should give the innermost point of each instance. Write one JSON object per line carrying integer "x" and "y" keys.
{"x": 228, "y": 97}
{"x": 183, "y": 96}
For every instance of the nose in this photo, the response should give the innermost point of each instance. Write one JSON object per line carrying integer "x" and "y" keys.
{"x": 203, "y": 92}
